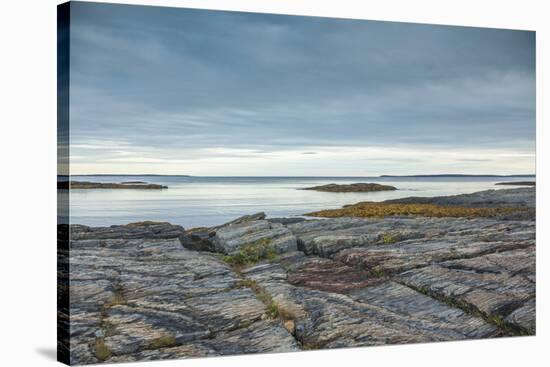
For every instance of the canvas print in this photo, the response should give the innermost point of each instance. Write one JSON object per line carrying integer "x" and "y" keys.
{"x": 233, "y": 183}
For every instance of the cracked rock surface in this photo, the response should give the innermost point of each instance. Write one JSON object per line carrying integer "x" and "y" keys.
{"x": 155, "y": 291}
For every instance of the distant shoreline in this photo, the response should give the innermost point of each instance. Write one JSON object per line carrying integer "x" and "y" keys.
{"x": 459, "y": 175}
{"x": 371, "y": 177}
{"x": 124, "y": 175}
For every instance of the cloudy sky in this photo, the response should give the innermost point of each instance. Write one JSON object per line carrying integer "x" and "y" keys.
{"x": 181, "y": 91}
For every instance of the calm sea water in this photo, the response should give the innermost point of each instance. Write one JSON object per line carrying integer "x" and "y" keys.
{"x": 206, "y": 201}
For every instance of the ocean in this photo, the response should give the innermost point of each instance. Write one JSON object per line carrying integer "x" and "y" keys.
{"x": 207, "y": 201}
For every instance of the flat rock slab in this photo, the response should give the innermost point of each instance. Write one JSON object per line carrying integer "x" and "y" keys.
{"x": 396, "y": 244}
{"x": 326, "y": 275}
{"x": 488, "y": 284}
{"x": 231, "y": 238}
{"x": 327, "y": 237}
{"x": 189, "y": 350}
{"x": 161, "y": 230}
{"x": 386, "y": 313}
{"x": 424, "y": 311}
{"x": 509, "y": 197}
{"x": 150, "y": 298}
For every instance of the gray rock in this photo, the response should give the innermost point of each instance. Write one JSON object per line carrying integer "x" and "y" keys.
{"x": 133, "y": 230}
{"x": 202, "y": 239}
{"x": 506, "y": 197}
{"x": 188, "y": 350}
{"x": 260, "y": 337}
{"x": 198, "y": 240}
{"x": 401, "y": 243}
{"x": 524, "y": 317}
{"x": 231, "y": 238}
{"x": 286, "y": 220}
{"x": 427, "y": 312}
{"x": 486, "y": 284}
{"x": 332, "y": 320}
{"x": 150, "y": 298}
{"x": 246, "y": 218}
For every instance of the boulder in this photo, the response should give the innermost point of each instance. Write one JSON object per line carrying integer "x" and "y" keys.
{"x": 198, "y": 240}
{"x": 246, "y": 218}
{"x": 202, "y": 239}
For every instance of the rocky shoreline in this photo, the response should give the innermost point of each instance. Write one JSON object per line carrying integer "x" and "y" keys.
{"x": 154, "y": 290}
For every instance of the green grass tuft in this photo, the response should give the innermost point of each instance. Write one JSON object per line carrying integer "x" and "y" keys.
{"x": 251, "y": 253}
{"x": 377, "y": 272}
{"x": 390, "y": 238}
{"x": 273, "y": 311}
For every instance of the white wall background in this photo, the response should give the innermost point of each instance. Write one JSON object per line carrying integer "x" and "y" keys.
{"x": 28, "y": 195}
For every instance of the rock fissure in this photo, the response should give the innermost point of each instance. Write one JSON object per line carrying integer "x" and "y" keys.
{"x": 497, "y": 320}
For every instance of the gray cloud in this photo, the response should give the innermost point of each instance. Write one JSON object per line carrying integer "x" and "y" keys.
{"x": 168, "y": 81}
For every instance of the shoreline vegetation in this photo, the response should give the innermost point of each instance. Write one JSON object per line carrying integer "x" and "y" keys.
{"x": 135, "y": 185}
{"x": 393, "y": 277}
{"x": 382, "y": 210}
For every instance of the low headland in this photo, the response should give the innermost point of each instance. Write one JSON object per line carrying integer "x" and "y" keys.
{"x": 460, "y": 267}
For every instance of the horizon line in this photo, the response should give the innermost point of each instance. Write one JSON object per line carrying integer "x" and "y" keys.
{"x": 380, "y": 176}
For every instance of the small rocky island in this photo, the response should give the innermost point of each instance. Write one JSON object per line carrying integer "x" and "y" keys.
{"x": 136, "y": 185}
{"x": 153, "y": 290}
{"x": 355, "y": 187}
{"x": 517, "y": 183}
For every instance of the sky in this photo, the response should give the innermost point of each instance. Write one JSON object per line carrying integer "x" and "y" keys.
{"x": 209, "y": 93}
